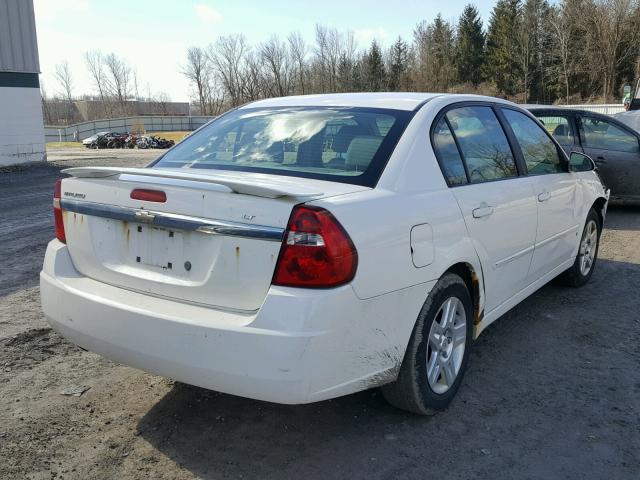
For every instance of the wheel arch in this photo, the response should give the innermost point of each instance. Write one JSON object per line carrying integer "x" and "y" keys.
{"x": 600, "y": 206}
{"x": 473, "y": 281}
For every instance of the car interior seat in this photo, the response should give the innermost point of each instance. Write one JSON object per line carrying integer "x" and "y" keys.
{"x": 361, "y": 151}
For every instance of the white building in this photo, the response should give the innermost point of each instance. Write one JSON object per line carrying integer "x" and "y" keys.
{"x": 21, "y": 128}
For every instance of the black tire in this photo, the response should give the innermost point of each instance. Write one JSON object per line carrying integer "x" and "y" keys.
{"x": 575, "y": 276}
{"x": 411, "y": 391}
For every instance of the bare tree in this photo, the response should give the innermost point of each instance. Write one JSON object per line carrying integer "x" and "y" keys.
{"x": 65, "y": 83}
{"x": 46, "y": 107}
{"x": 298, "y": 52}
{"x": 279, "y": 66}
{"x": 162, "y": 101}
{"x": 215, "y": 100}
{"x": 327, "y": 58}
{"x": 562, "y": 36}
{"x": 254, "y": 84}
{"x": 612, "y": 37}
{"x": 198, "y": 72}
{"x": 118, "y": 80}
{"x": 94, "y": 62}
{"x": 228, "y": 58}
{"x": 136, "y": 92}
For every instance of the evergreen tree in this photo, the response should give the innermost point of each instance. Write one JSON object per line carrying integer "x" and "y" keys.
{"x": 535, "y": 50}
{"x": 345, "y": 74}
{"x": 398, "y": 65}
{"x": 469, "y": 57}
{"x": 359, "y": 78}
{"x": 376, "y": 75}
{"x": 442, "y": 40}
{"x": 502, "y": 64}
{"x": 434, "y": 43}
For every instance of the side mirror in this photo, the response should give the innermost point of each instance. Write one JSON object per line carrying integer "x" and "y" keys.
{"x": 579, "y": 162}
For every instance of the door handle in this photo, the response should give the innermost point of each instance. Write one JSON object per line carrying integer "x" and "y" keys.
{"x": 544, "y": 196}
{"x": 483, "y": 210}
{"x": 601, "y": 160}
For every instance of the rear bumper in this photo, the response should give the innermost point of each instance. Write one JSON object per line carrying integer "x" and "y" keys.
{"x": 300, "y": 347}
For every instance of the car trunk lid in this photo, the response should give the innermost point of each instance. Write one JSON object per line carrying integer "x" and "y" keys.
{"x": 214, "y": 241}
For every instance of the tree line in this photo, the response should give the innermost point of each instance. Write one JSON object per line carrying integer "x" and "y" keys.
{"x": 531, "y": 51}
{"x": 115, "y": 85}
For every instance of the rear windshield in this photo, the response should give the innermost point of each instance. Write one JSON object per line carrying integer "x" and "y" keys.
{"x": 350, "y": 145}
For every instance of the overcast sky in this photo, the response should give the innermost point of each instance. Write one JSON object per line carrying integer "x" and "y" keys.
{"x": 153, "y": 35}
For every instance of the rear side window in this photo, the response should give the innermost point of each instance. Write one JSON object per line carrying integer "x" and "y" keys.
{"x": 559, "y": 127}
{"x": 607, "y": 136}
{"x": 448, "y": 154}
{"x": 350, "y": 145}
{"x": 483, "y": 143}
{"x": 540, "y": 153}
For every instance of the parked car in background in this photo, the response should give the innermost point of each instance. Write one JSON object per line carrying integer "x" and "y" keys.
{"x": 631, "y": 119}
{"x": 302, "y": 248}
{"x": 89, "y": 141}
{"x": 614, "y": 146}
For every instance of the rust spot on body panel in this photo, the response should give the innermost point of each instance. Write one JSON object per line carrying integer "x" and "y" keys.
{"x": 477, "y": 314}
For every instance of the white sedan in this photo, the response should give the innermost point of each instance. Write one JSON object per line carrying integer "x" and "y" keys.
{"x": 89, "y": 140}
{"x": 302, "y": 248}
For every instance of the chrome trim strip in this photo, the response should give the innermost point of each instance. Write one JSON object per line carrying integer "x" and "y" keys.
{"x": 556, "y": 236}
{"x": 172, "y": 220}
{"x": 510, "y": 258}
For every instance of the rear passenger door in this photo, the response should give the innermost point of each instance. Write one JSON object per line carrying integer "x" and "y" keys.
{"x": 562, "y": 127}
{"x": 498, "y": 205}
{"x": 556, "y": 194}
{"x": 616, "y": 151}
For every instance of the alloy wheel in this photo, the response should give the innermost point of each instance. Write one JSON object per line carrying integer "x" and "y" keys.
{"x": 445, "y": 350}
{"x": 588, "y": 247}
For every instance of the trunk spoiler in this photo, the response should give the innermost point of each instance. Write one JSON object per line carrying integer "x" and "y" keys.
{"x": 255, "y": 184}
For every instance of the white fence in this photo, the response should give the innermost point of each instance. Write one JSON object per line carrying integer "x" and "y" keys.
{"x": 607, "y": 109}
{"x": 80, "y": 131}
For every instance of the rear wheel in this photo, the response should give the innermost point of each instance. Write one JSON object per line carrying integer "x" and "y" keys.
{"x": 582, "y": 269}
{"x": 438, "y": 351}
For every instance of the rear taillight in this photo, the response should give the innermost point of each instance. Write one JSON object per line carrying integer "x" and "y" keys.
{"x": 57, "y": 212}
{"x": 316, "y": 251}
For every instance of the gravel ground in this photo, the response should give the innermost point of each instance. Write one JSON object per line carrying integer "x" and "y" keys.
{"x": 553, "y": 388}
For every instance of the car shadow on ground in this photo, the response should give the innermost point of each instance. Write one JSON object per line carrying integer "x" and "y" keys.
{"x": 526, "y": 407}
{"x": 623, "y": 217}
{"x": 26, "y": 193}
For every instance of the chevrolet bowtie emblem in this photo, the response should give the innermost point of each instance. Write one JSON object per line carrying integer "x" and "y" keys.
{"x": 144, "y": 216}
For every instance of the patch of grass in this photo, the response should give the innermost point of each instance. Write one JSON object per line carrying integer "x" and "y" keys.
{"x": 64, "y": 145}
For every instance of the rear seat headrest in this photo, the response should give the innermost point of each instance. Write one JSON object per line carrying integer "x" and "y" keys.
{"x": 345, "y": 135}
{"x": 361, "y": 151}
